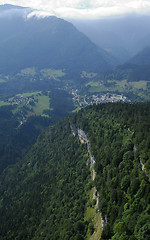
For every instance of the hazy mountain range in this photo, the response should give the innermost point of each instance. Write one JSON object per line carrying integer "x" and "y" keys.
{"x": 96, "y": 46}
{"x": 122, "y": 36}
{"x": 52, "y": 42}
{"x": 46, "y": 42}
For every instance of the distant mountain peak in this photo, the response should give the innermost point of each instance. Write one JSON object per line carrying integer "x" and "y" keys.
{"x": 47, "y": 42}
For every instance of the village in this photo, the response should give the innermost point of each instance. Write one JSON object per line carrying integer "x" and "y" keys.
{"x": 20, "y": 99}
{"x": 24, "y": 99}
{"x": 97, "y": 98}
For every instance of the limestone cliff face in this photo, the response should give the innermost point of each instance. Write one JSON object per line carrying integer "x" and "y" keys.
{"x": 96, "y": 217}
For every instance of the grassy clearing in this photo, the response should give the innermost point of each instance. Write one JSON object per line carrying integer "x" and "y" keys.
{"x": 28, "y": 71}
{"x": 139, "y": 85}
{"x": 2, "y": 81}
{"x": 93, "y": 84}
{"x": 52, "y": 73}
{"x": 121, "y": 84}
{"x": 93, "y": 216}
{"x": 98, "y": 89}
{"x": 118, "y": 86}
{"x": 35, "y": 103}
{"x": 17, "y": 109}
{"x": 135, "y": 85}
{"x": 3, "y": 103}
{"x": 28, "y": 94}
{"x": 98, "y": 230}
{"x": 42, "y": 104}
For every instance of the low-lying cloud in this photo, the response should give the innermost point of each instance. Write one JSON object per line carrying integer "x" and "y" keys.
{"x": 83, "y": 8}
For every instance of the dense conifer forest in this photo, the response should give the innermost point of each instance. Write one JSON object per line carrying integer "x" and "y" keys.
{"x": 44, "y": 195}
{"x": 119, "y": 135}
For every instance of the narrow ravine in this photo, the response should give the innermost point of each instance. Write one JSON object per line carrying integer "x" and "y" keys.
{"x": 84, "y": 140}
{"x": 144, "y": 169}
{"x": 142, "y": 165}
{"x": 98, "y": 223}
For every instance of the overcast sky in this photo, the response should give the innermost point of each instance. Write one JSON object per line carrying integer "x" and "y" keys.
{"x": 84, "y": 8}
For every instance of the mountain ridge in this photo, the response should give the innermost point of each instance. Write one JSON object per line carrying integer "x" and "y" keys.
{"x": 48, "y": 42}
{"x": 142, "y": 57}
{"x": 123, "y": 36}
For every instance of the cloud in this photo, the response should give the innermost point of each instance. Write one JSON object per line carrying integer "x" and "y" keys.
{"x": 83, "y": 8}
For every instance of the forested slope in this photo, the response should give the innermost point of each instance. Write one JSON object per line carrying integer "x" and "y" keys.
{"x": 120, "y": 141}
{"x": 45, "y": 195}
{"x": 16, "y": 139}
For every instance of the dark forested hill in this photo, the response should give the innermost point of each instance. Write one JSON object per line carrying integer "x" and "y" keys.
{"x": 46, "y": 43}
{"x": 46, "y": 194}
{"x": 138, "y": 67}
{"x": 142, "y": 58}
{"x": 16, "y": 138}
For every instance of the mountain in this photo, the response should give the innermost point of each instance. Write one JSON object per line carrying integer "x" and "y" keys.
{"x": 139, "y": 65}
{"x": 9, "y": 10}
{"x": 94, "y": 161}
{"x": 46, "y": 42}
{"x": 136, "y": 68}
{"x": 123, "y": 36}
{"x": 142, "y": 57}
